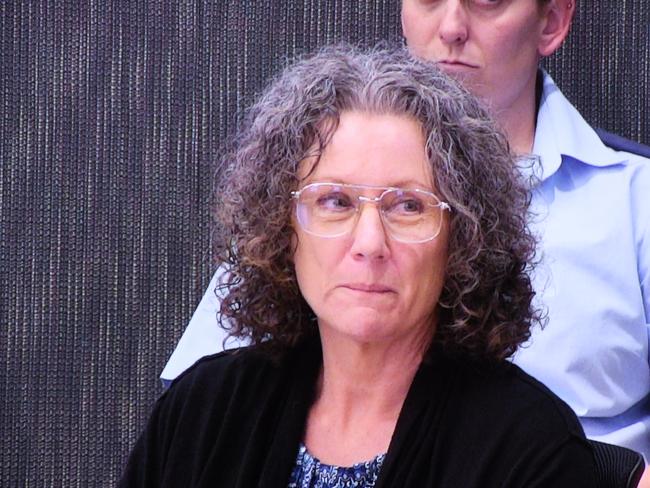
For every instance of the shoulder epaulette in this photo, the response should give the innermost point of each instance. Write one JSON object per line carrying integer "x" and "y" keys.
{"x": 619, "y": 143}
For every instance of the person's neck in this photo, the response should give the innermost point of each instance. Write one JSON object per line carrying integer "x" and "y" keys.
{"x": 520, "y": 132}
{"x": 360, "y": 394}
{"x": 518, "y": 121}
{"x": 356, "y": 377}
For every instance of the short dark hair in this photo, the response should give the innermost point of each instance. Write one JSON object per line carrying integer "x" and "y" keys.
{"x": 485, "y": 307}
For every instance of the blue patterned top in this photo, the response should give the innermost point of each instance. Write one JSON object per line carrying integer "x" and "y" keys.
{"x": 309, "y": 472}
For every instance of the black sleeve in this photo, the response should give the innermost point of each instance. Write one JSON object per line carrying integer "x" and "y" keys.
{"x": 569, "y": 465}
{"x": 146, "y": 462}
{"x": 517, "y": 434}
{"x": 170, "y": 431}
{"x": 215, "y": 426}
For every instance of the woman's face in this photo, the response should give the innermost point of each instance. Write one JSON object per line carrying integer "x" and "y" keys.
{"x": 492, "y": 46}
{"x": 366, "y": 286}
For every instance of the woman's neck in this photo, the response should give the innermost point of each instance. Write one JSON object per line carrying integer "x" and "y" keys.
{"x": 360, "y": 393}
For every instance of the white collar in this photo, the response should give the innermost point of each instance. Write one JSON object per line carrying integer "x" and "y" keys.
{"x": 561, "y": 131}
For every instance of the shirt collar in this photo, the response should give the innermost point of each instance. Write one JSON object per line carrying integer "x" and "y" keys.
{"x": 562, "y": 132}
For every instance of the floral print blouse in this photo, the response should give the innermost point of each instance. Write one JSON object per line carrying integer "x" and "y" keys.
{"x": 309, "y": 472}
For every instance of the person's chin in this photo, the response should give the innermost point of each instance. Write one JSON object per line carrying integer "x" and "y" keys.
{"x": 361, "y": 323}
{"x": 365, "y": 330}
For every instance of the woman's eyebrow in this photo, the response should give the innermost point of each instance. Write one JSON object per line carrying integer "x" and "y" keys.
{"x": 408, "y": 183}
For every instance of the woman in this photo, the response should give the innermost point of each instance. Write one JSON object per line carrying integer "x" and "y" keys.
{"x": 374, "y": 233}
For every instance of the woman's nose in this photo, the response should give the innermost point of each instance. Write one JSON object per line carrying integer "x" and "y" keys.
{"x": 369, "y": 237}
{"x": 453, "y": 28}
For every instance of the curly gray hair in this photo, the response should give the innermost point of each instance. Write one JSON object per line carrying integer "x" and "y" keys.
{"x": 485, "y": 307}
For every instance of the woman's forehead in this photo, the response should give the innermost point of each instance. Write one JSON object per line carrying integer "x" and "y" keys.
{"x": 372, "y": 149}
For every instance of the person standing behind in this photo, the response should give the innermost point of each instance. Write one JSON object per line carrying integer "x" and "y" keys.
{"x": 592, "y": 206}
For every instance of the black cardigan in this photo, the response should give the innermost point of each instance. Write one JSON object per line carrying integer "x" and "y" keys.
{"x": 236, "y": 419}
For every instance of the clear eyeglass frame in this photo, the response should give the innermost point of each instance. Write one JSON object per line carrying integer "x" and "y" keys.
{"x": 435, "y": 211}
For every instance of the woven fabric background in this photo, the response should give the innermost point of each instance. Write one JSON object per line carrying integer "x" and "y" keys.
{"x": 111, "y": 114}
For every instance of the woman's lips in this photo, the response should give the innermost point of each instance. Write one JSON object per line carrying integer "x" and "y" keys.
{"x": 368, "y": 288}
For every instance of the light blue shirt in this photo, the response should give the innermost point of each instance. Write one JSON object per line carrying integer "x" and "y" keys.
{"x": 592, "y": 215}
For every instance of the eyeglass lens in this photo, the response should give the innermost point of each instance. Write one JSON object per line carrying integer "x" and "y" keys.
{"x": 330, "y": 210}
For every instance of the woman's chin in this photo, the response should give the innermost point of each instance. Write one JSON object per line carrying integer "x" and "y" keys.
{"x": 362, "y": 326}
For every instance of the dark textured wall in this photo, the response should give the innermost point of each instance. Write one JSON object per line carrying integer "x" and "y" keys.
{"x": 604, "y": 67}
{"x": 111, "y": 114}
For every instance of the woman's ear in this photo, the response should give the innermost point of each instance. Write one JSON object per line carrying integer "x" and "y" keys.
{"x": 294, "y": 246}
{"x": 557, "y": 15}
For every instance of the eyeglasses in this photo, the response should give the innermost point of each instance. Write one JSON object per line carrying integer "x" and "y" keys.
{"x": 333, "y": 209}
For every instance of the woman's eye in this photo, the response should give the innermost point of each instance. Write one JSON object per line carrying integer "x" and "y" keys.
{"x": 334, "y": 201}
{"x": 408, "y": 206}
{"x": 488, "y": 3}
